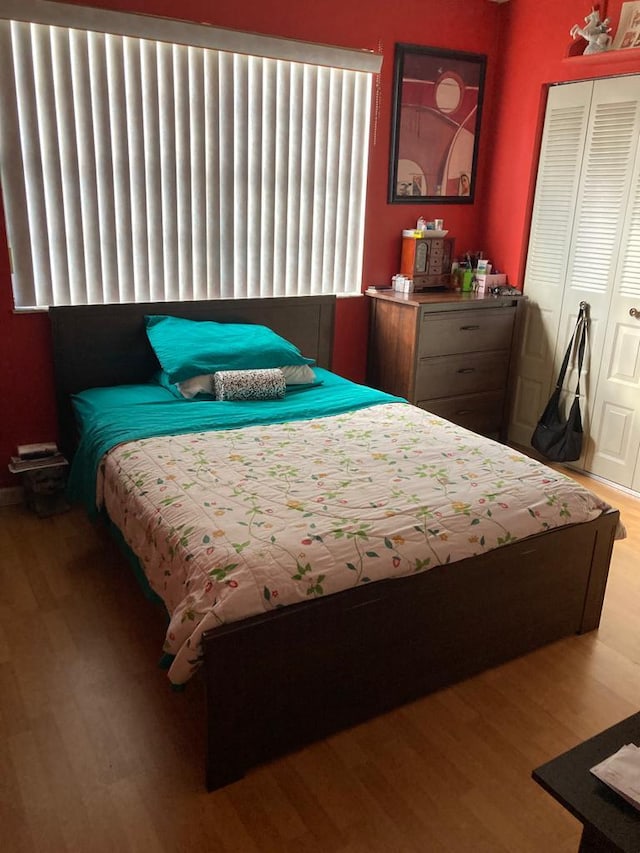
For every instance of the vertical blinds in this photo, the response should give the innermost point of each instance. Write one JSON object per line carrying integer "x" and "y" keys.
{"x": 136, "y": 169}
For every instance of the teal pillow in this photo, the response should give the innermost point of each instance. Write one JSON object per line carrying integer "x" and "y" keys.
{"x": 187, "y": 348}
{"x": 93, "y": 401}
{"x": 163, "y": 380}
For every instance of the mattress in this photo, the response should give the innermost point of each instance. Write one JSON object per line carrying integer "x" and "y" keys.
{"x": 231, "y": 523}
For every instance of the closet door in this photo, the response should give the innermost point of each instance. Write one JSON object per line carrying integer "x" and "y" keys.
{"x": 579, "y": 261}
{"x": 614, "y": 449}
{"x": 562, "y": 149}
{"x": 607, "y": 175}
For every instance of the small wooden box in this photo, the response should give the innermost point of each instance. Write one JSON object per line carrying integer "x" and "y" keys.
{"x": 427, "y": 260}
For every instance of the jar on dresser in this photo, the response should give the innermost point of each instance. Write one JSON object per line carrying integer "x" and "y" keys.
{"x": 449, "y": 353}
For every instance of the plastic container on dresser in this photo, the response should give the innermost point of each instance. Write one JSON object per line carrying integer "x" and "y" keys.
{"x": 449, "y": 353}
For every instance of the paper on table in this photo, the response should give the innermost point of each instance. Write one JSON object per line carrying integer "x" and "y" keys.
{"x": 621, "y": 772}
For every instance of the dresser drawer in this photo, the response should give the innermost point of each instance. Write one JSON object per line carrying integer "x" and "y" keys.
{"x": 443, "y": 376}
{"x": 465, "y": 331}
{"x": 478, "y": 412}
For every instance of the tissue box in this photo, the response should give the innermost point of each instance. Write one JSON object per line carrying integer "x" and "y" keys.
{"x": 485, "y": 282}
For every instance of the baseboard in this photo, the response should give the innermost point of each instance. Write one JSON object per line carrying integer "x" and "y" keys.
{"x": 606, "y": 482}
{"x": 11, "y": 495}
{"x": 529, "y": 451}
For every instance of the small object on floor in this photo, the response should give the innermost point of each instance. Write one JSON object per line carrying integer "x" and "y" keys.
{"x": 44, "y": 482}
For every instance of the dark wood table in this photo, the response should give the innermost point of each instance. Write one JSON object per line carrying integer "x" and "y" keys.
{"x": 610, "y": 823}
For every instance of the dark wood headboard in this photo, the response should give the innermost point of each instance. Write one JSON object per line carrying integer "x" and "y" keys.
{"x": 101, "y": 345}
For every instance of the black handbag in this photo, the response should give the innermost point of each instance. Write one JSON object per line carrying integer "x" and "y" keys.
{"x": 555, "y": 437}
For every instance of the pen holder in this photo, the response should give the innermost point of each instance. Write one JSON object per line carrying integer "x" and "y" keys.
{"x": 466, "y": 284}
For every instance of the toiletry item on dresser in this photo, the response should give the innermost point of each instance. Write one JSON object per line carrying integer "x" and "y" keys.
{"x": 402, "y": 284}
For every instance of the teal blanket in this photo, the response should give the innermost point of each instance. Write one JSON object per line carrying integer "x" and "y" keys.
{"x": 112, "y": 416}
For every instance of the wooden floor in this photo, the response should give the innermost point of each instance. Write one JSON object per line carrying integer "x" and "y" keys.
{"x": 98, "y": 754}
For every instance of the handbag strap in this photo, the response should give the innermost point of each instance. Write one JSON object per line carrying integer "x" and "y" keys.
{"x": 581, "y": 347}
{"x": 581, "y": 326}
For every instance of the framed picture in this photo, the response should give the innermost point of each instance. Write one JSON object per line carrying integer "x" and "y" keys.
{"x": 437, "y": 106}
{"x": 628, "y": 32}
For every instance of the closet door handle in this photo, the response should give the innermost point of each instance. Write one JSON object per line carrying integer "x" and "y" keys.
{"x": 633, "y": 312}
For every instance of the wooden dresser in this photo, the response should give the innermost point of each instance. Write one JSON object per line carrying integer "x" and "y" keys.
{"x": 450, "y": 353}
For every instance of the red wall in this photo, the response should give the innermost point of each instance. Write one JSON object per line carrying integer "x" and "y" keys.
{"x": 526, "y": 42}
{"x": 535, "y": 43}
{"x": 472, "y": 25}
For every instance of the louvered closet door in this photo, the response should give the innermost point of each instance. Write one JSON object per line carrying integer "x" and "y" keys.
{"x": 563, "y": 141}
{"x": 614, "y": 449}
{"x": 586, "y": 216}
{"x": 599, "y": 225}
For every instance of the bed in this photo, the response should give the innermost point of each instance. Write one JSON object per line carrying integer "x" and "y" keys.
{"x": 285, "y": 676}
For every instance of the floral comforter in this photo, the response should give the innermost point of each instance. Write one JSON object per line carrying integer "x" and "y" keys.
{"x": 232, "y": 523}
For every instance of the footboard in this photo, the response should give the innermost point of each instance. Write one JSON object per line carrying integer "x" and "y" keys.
{"x": 279, "y": 681}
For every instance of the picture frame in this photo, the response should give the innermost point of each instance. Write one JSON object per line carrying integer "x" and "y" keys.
{"x": 628, "y": 33}
{"x": 435, "y": 128}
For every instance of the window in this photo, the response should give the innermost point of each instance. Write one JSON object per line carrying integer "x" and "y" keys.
{"x": 144, "y": 159}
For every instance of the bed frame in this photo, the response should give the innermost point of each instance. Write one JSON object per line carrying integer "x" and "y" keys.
{"x": 281, "y": 680}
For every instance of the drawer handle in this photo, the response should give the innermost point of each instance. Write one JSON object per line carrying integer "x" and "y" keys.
{"x": 468, "y": 328}
{"x": 465, "y": 412}
{"x": 467, "y": 370}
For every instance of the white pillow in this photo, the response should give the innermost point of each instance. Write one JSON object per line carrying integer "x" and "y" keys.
{"x": 197, "y": 385}
{"x": 294, "y": 374}
{"x": 298, "y": 374}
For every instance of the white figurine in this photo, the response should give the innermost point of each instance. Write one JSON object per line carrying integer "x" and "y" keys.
{"x": 595, "y": 32}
